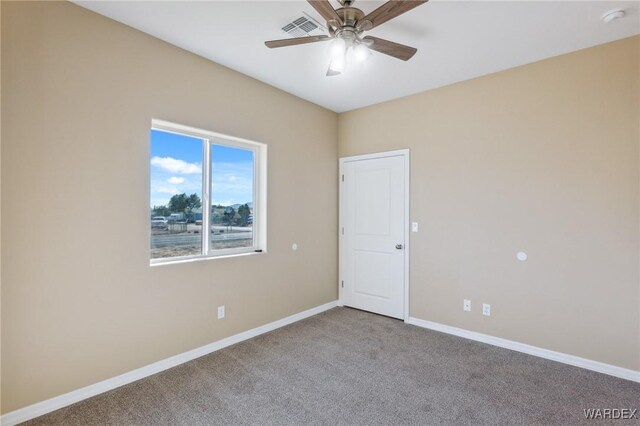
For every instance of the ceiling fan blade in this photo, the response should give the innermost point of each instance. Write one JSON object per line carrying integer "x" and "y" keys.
{"x": 324, "y": 8}
{"x": 390, "y": 10}
{"x": 390, "y": 48}
{"x": 295, "y": 41}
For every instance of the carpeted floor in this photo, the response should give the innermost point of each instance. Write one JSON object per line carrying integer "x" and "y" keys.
{"x": 350, "y": 367}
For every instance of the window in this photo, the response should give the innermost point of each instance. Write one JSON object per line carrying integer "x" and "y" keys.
{"x": 207, "y": 194}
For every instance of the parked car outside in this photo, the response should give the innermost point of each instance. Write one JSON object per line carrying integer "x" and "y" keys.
{"x": 177, "y": 217}
{"x": 159, "y": 222}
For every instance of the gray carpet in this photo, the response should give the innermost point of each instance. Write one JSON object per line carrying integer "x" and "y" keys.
{"x": 351, "y": 367}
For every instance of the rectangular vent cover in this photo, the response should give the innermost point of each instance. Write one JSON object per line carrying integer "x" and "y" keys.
{"x": 304, "y": 26}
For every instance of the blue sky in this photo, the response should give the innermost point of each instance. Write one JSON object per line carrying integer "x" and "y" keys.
{"x": 176, "y": 167}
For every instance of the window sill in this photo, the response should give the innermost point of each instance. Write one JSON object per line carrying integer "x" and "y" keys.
{"x": 165, "y": 262}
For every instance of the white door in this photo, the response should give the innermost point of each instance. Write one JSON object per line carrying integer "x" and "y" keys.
{"x": 373, "y": 212}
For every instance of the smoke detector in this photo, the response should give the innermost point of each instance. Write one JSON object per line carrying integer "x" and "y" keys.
{"x": 612, "y": 15}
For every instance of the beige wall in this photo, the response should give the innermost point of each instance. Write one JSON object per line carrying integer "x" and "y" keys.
{"x": 79, "y": 301}
{"x": 541, "y": 158}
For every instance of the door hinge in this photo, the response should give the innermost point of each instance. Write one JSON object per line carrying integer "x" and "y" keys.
{"x": 343, "y": 284}
{"x": 342, "y": 231}
{"x": 343, "y": 178}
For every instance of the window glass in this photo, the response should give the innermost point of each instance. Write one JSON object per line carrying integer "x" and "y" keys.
{"x": 232, "y": 197}
{"x": 176, "y": 195}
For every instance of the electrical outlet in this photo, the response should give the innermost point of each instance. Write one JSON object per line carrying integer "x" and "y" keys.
{"x": 466, "y": 305}
{"x": 220, "y": 312}
{"x": 486, "y": 309}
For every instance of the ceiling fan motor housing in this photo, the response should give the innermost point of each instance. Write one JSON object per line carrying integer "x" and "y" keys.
{"x": 352, "y": 25}
{"x": 350, "y": 15}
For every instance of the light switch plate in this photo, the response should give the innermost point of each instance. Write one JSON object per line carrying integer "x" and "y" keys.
{"x": 414, "y": 227}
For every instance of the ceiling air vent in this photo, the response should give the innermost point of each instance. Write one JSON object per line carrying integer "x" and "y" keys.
{"x": 304, "y": 26}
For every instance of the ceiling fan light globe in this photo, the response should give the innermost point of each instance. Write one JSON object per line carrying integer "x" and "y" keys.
{"x": 338, "y": 64}
{"x": 337, "y": 49}
{"x": 361, "y": 53}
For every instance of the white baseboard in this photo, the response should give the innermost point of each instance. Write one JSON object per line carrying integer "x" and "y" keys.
{"x": 576, "y": 361}
{"x": 44, "y": 407}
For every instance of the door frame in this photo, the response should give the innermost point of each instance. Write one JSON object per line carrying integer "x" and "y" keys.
{"x": 405, "y": 154}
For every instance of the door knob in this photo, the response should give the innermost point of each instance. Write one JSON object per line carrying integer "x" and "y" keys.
{"x": 399, "y": 246}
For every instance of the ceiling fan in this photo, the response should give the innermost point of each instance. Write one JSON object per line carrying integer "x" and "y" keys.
{"x": 346, "y": 26}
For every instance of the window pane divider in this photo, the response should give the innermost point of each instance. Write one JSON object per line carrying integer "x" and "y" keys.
{"x": 206, "y": 195}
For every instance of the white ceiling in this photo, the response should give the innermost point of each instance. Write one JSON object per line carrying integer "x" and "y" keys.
{"x": 456, "y": 40}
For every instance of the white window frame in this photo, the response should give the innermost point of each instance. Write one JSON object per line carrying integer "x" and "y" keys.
{"x": 259, "y": 191}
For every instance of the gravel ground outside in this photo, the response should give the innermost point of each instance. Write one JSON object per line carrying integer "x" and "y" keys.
{"x": 157, "y": 253}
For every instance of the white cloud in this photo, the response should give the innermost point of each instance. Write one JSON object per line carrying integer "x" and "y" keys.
{"x": 166, "y": 190}
{"x": 232, "y": 183}
{"x": 174, "y": 165}
{"x": 174, "y": 180}
{"x": 163, "y": 187}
